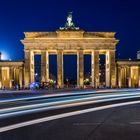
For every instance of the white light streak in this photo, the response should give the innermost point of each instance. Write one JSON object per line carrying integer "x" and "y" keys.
{"x": 46, "y": 119}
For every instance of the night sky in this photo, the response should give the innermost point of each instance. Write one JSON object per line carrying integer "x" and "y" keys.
{"x": 121, "y": 16}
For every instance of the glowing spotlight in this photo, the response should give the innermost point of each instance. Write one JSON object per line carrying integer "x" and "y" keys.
{"x": 4, "y": 56}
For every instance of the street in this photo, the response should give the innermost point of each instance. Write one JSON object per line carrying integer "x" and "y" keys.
{"x": 118, "y": 123}
{"x": 101, "y": 116}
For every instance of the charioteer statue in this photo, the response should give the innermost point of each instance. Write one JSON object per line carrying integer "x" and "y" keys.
{"x": 69, "y": 23}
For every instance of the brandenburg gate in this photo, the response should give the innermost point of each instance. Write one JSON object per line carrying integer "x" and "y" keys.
{"x": 70, "y": 40}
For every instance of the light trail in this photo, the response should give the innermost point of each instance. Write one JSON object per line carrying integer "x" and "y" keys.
{"x": 70, "y": 99}
{"x": 71, "y": 93}
{"x": 63, "y": 104}
{"x": 46, "y": 119}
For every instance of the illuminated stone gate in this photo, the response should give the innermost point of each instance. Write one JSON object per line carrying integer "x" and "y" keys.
{"x": 70, "y": 40}
{"x": 65, "y": 41}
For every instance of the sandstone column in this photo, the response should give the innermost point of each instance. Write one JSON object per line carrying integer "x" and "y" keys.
{"x": 32, "y": 66}
{"x": 0, "y": 77}
{"x": 60, "y": 68}
{"x": 95, "y": 68}
{"x": 139, "y": 76}
{"x": 29, "y": 67}
{"x": 125, "y": 77}
{"x": 110, "y": 69}
{"x": 16, "y": 75}
{"x": 21, "y": 79}
{"x": 11, "y": 76}
{"x": 80, "y": 68}
{"x": 129, "y": 76}
{"x": 119, "y": 77}
{"x": 122, "y": 75}
{"x": 44, "y": 66}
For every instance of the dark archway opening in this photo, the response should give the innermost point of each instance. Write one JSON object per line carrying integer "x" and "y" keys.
{"x": 87, "y": 69}
{"x": 53, "y": 67}
{"x": 102, "y": 70}
{"x": 37, "y": 68}
{"x": 70, "y": 70}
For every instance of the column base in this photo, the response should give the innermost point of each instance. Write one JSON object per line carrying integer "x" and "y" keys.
{"x": 60, "y": 86}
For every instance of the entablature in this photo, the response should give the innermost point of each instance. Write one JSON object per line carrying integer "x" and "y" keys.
{"x": 128, "y": 62}
{"x": 72, "y": 40}
{"x": 11, "y": 63}
{"x": 92, "y": 46}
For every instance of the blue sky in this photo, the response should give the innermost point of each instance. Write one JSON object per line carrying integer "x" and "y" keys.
{"x": 121, "y": 16}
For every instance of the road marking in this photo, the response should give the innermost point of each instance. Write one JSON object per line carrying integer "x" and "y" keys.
{"x": 46, "y": 119}
{"x": 82, "y": 124}
{"x": 135, "y": 123}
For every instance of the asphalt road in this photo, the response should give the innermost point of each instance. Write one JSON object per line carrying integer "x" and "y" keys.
{"x": 53, "y": 117}
{"x": 121, "y": 123}
{"x": 18, "y": 108}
